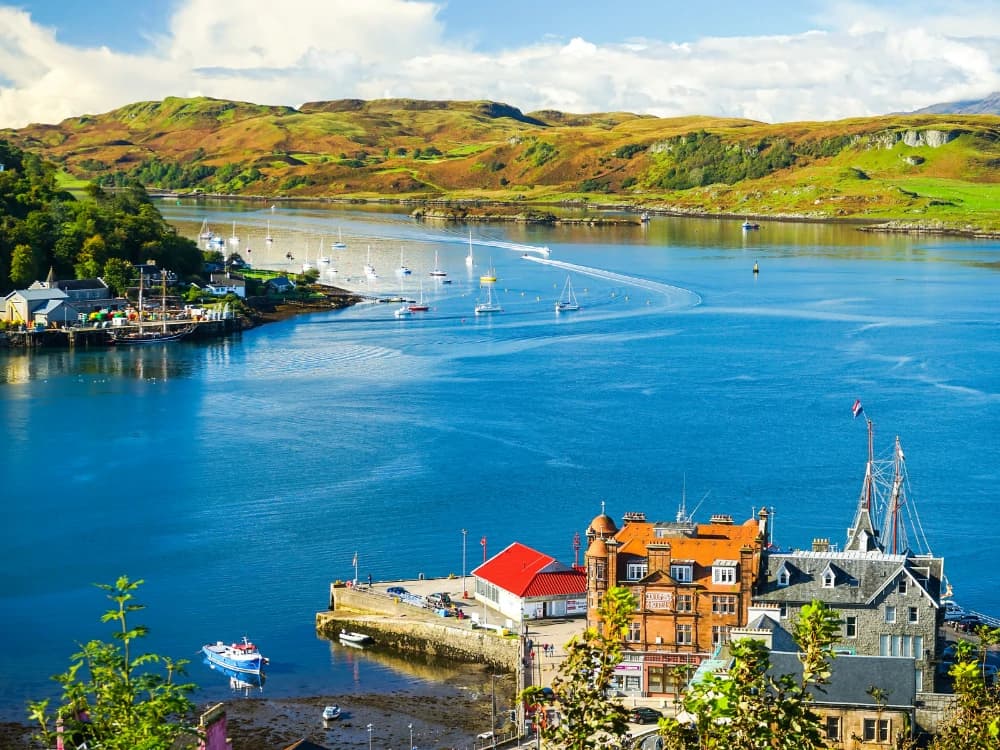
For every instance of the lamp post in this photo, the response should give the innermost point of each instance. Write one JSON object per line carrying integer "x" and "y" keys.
{"x": 465, "y": 590}
{"x": 370, "y": 736}
{"x": 411, "y": 736}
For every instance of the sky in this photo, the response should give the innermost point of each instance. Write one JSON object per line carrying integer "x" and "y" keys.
{"x": 763, "y": 60}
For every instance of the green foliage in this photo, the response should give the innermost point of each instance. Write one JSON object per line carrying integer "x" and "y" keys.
{"x": 629, "y": 150}
{"x": 117, "y": 274}
{"x": 594, "y": 185}
{"x": 974, "y": 722}
{"x": 540, "y": 152}
{"x": 589, "y": 718}
{"x": 113, "y": 699}
{"x": 703, "y": 158}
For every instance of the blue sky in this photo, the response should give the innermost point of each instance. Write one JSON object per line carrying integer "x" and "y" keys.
{"x": 764, "y": 60}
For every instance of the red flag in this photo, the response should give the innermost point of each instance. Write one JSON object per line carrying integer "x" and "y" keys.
{"x": 483, "y": 541}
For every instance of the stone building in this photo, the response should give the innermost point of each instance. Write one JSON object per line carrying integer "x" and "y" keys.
{"x": 693, "y": 583}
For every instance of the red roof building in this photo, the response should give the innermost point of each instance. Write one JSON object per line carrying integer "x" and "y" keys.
{"x": 525, "y": 584}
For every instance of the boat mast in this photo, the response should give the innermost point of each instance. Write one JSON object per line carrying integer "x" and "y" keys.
{"x": 163, "y": 301}
{"x": 896, "y": 501}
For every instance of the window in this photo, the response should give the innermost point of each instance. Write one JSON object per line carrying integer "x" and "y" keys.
{"x": 636, "y": 571}
{"x": 920, "y": 679}
{"x": 829, "y": 579}
{"x": 876, "y": 729}
{"x": 833, "y": 728}
{"x": 685, "y": 603}
{"x": 723, "y": 574}
{"x": 850, "y": 626}
{"x": 901, "y": 645}
{"x": 684, "y": 634}
{"x": 720, "y": 634}
{"x": 723, "y": 605}
{"x": 890, "y": 614}
{"x": 634, "y": 632}
{"x": 599, "y": 570}
{"x": 681, "y": 573}
{"x": 912, "y": 616}
{"x": 783, "y": 577}
{"x": 902, "y": 584}
{"x": 783, "y": 611}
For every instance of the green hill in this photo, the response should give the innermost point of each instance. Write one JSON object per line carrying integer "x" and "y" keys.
{"x": 934, "y": 170}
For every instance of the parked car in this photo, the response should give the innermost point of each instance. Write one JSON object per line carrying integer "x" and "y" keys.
{"x": 396, "y": 591}
{"x": 644, "y": 715}
{"x": 439, "y": 600}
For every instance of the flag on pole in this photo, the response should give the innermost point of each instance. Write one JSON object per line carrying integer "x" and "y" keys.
{"x": 483, "y": 541}
{"x": 857, "y": 408}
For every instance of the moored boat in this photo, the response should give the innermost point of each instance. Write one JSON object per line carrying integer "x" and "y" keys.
{"x": 240, "y": 657}
{"x": 331, "y": 712}
{"x": 355, "y": 639}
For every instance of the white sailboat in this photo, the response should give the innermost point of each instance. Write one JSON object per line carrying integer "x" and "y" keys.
{"x": 268, "y": 239}
{"x": 339, "y": 244}
{"x": 567, "y": 300}
{"x": 234, "y": 240}
{"x": 488, "y": 305}
{"x": 369, "y": 268}
{"x": 468, "y": 258}
{"x": 436, "y": 272}
{"x": 322, "y": 261}
{"x": 402, "y": 270}
{"x": 206, "y": 231}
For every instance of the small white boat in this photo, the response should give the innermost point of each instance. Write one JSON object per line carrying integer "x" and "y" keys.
{"x": 403, "y": 270}
{"x": 355, "y": 639}
{"x": 339, "y": 244}
{"x": 206, "y": 232}
{"x": 567, "y": 300}
{"x": 468, "y": 258}
{"x": 488, "y": 305}
{"x": 436, "y": 272}
{"x": 234, "y": 240}
{"x": 331, "y": 712}
{"x": 268, "y": 239}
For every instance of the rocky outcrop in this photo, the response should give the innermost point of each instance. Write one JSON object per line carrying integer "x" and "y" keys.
{"x": 914, "y": 138}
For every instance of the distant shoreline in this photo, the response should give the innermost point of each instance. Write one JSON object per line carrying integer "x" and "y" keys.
{"x": 490, "y": 210}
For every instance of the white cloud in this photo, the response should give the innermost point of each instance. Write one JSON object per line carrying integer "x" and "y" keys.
{"x": 861, "y": 60}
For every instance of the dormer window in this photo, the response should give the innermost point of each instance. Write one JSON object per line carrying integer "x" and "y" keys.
{"x": 682, "y": 573}
{"x": 902, "y": 584}
{"x": 636, "y": 571}
{"x": 829, "y": 579}
{"x": 723, "y": 574}
{"x": 784, "y": 577}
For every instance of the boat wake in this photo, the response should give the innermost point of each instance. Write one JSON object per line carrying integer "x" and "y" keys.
{"x": 678, "y": 297}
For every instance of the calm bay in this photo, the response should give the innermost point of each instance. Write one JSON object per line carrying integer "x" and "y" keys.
{"x": 239, "y": 477}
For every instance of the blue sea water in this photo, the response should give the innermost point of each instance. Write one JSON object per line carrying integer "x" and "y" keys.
{"x": 239, "y": 477}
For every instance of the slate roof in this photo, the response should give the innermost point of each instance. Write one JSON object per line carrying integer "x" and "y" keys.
{"x": 526, "y": 572}
{"x": 859, "y": 577}
{"x": 851, "y": 676}
{"x": 34, "y": 295}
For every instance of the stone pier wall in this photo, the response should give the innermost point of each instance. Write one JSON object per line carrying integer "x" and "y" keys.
{"x": 401, "y": 627}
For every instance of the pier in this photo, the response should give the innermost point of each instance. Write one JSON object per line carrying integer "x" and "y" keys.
{"x": 99, "y": 336}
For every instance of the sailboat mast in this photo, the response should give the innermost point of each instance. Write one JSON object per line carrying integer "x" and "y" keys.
{"x": 163, "y": 302}
{"x": 869, "y": 488}
{"x": 895, "y": 502}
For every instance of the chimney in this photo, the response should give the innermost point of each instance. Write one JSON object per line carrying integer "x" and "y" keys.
{"x": 821, "y": 545}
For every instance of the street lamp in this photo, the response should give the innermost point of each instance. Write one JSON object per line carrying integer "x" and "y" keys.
{"x": 465, "y": 591}
{"x": 411, "y": 736}
{"x": 370, "y": 737}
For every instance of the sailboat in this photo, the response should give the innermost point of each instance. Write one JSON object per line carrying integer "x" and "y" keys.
{"x": 153, "y": 336}
{"x": 403, "y": 311}
{"x": 339, "y": 244}
{"x": 489, "y": 305}
{"x": 468, "y": 258}
{"x": 420, "y": 306}
{"x": 268, "y": 239}
{"x": 206, "y": 231}
{"x": 567, "y": 300}
{"x": 436, "y": 272}
{"x": 490, "y": 277}
{"x": 369, "y": 268}
{"x": 402, "y": 270}
{"x": 234, "y": 240}
{"x": 322, "y": 261}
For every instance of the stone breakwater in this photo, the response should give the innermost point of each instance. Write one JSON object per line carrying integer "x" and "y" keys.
{"x": 398, "y": 626}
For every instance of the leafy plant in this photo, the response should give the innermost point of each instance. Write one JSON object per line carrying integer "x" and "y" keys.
{"x": 113, "y": 698}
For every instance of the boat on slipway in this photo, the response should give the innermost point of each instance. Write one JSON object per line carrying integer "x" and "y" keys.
{"x": 242, "y": 657}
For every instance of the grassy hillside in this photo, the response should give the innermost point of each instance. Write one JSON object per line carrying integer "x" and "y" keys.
{"x": 917, "y": 168}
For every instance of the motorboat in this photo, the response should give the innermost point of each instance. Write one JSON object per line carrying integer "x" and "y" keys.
{"x": 749, "y": 225}
{"x": 331, "y": 712}
{"x": 355, "y": 639}
{"x": 240, "y": 657}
